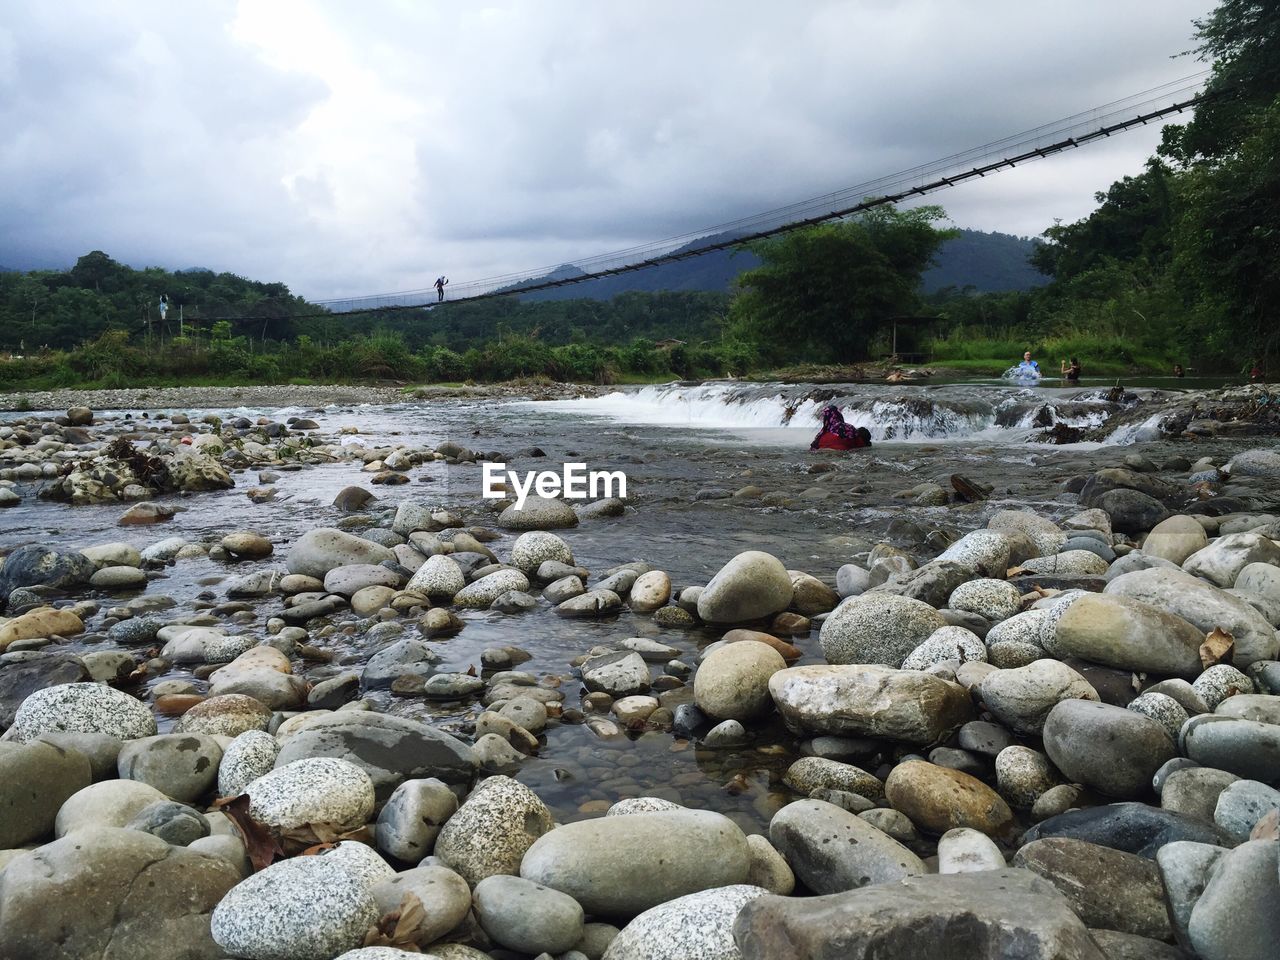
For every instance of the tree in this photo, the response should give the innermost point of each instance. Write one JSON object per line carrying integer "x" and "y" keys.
{"x": 825, "y": 291}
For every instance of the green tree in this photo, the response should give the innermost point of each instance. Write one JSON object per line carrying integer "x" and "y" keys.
{"x": 824, "y": 292}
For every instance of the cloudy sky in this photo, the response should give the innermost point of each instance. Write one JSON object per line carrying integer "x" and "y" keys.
{"x": 365, "y": 148}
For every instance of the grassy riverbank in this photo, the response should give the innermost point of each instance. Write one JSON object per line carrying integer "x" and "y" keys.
{"x": 1098, "y": 355}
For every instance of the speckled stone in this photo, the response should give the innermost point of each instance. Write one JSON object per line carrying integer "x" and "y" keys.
{"x": 228, "y": 715}
{"x": 696, "y": 925}
{"x": 306, "y": 908}
{"x": 986, "y": 551}
{"x": 479, "y": 594}
{"x": 439, "y": 577}
{"x": 1043, "y": 532}
{"x": 135, "y": 630}
{"x": 249, "y": 756}
{"x": 1163, "y": 709}
{"x": 83, "y": 708}
{"x": 493, "y": 829}
{"x": 1024, "y": 775}
{"x": 313, "y": 790}
{"x": 534, "y": 548}
{"x": 632, "y": 805}
{"x": 877, "y": 628}
{"x": 359, "y": 861}
{"x": 1022, "y": 627}
{"x": 812, "y": 773}
{"x": 1070, "y": 563}
{"x": 1012, "y": 654}
{"x": 946, "y": 643}
{"x": 203, "y": 645}
{"x": 995, "y": 600}
{"x": 383, "y": 953}
{"x": 1220, "y": 682}
{"x": 1021, "y": 698}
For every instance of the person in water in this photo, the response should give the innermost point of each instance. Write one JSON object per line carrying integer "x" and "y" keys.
{"x": 1178, "y": 371}
{"x": 1027, "y": 368}
{"x": 1071, "y": 371}
{"x": 838, "y": 435}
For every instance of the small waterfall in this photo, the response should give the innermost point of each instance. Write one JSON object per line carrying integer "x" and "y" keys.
{"x": 954, "y": 412}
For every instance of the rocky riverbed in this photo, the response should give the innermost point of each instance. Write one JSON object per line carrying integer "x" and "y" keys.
{"x": 287, "y": 687}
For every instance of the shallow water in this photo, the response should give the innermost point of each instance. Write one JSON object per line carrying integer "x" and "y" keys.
{"x": 722, "y": 438}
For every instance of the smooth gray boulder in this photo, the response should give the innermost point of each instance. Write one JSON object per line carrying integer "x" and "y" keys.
{"x": 1236, "y": 916}
{"x": 752, "y": 585}
{"x": 622, "y": 866}
{"x": 1113, "y": 750}
{"x": 1246, "y": 748}
{"x": 183, "y": 766}
{"x": 1022, "y": 697}
{"x": 410, "y": 821}
{"x": 107, "y": 892}
{"x": 1241, "y": 804}
{"x": 538, "y": 513}
{"x": 1185, "y": 868}
{"x": 992, "y": 915}
{"x": 527, "y": 917}
{"x": 831, "y": 849}
{"x": 35, "y": 780}
{"x": 1224, "y": 558}
{"x": 320, "y": 550}
{"x": 1175, "y": 539}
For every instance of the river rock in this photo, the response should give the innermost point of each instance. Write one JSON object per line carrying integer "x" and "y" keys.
{"x": 492, "y": 830}
{"x": 592, "y": 604}
{"x": 388, "y": 748}
{"x": 1021, "y": 698}
{"x": 751, "y": 585}
{"x": 40, "y": 622}
{"x": 250, "y": 755}
{"x": 1246, "y": 748}
{"x": 409, "y": 656}
{"x": 1222, "y": 560}
{"x": 877, "y": 628}
{"x": 111, "y": 803}
{"x": 205, "y": 645}
{"x": 1255, "y": 463}
{"x": 1113, "y": 750}
{"x": 619, "y": 674}
{"x": 321, "y": 550}
{"x": 33, "y": 565}
{"x": 938, "y": 799}
{"x": 1219, "y": 683}
{"x": 622, "y": 866}
{"x": 172, "y": 822}
{"x": 650, "y": 591}
{"x": 109, "y": 892}
{"x": 964, "y": 850}
{"x": 1205, "y": 607}
{"x": 83, "y": 707}
{"x": 351, "y": 578}
{"x": 1131, "y": 827}
{"x": 1175, "y": 539}
{"x": 986, "y": 551}
{"x": 1185, "y": 868}
{"x": 1121, "y": 632}
{"x": 1106, "y": 888}
{"x": 870, "y": 701}
{"x": 1161, "y": 708}
{"x": 410, "y": 821}
{"x": 1024, "y": 775}
{"x": 444, "y": 895}
{"x": 183, "y": 766}
{"x": 1236, "y": 916}
{"x": 733, "y": 682}
{"x": 1260, "y": 579}
{"x": 697, "y": 926}
{"x": 1265, "y": 708}
{"x": 226, "y": 716}
{"x": 534, "y": 548}
{"x": 323, "y": 790}
{"x": 538, "y": 513}
{"x": 1046, "y": 534}
{"x": 949, "y": 643}
{"x": 479, "y": 594}
{"x": 989, "y": 915}
{"x": 832, "y": 850}
{"x": 1240, "y": 804}
{"x": 993, "y": 600}
{"x": 35, "y": 671}
{"x": 527, "y": 917}
{"x": 35, "y": 780}
{"x": 306, "y": 908}
{"x": 818, "y": 773}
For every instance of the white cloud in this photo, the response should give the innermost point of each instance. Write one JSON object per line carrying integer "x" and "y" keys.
{"x": 354, "y": 149}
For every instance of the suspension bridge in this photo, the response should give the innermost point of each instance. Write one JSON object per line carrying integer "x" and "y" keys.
{"x": 1070, "y": 133}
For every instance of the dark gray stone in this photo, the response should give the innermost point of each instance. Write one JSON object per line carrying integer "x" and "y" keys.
{"x": 1113, "y": 750}
{"x": 1131, "y": 827}
{"x": 174, "y": 823}
{"x": 21, "y": 678}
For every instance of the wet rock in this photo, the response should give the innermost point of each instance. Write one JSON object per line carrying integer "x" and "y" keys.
{"x": 1131, "y": 827}
{"x": 321, "y": 550}
{"x": 1106, "y": 888}
{"x": 36, "y": 671}
{"x": 301, "y": 909}
{"x": 1021, "y": 698}
{"x": 1175, "y": 539}
{"x": 1131, "y": 511}
{"x": 813, "y": 773}
{"x": 534, "y": 548}
{"x": 984, "y": 551}
{"x": 1113, "y": 750}
{"x": 650, "y": 591}
{"x": 109, "y": 892}
{"x": 538, "y": 513}
{"x": 36, "y": 565}
{"x": 41, "y": 622}
{"x": 870, "y": 701}
{"x": 949, "y": 643}
{"x": 617, "y": 674}
{"x": 1071, "y": 563}
{"x": 990, "y": 915}
{"x": 751, "y": 585}
{"x": 407, "y": 657}
{"x": 877, "y": 628}
{"x": 410, "y": 821}
{"x": 733, "y": 682}
{"x": 938, "y": 799}
{"x": 481, "y": 593}
{"x": 697, "y": 926}
{"x": 1222, "y": 560}
{"x": 622, "y": 866}
{"x": 832, "y": 850}
{"x": 1236, "y": 917}
{"x": 388, "y": 748}
{"x": 592, "y": 604}
{"x": 182, "y": 766}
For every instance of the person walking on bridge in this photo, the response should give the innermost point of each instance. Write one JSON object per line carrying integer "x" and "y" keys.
{"x": 440, "y": 283}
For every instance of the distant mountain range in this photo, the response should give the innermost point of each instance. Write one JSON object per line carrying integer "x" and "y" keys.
{"x": 987, "y": 262}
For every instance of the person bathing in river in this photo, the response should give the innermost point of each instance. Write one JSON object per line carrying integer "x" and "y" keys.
{"x": 1071, "y": 371}
{"x": 1028, "y": 369}
{"x": 838, "y": 435}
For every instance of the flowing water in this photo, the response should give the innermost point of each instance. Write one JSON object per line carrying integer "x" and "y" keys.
{"x": 684, "y": 449}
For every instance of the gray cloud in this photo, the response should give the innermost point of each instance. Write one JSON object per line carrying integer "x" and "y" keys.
{"x": 349, "y": 150}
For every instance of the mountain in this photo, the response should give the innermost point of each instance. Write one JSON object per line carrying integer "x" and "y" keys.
{"x": 987, "y": 262}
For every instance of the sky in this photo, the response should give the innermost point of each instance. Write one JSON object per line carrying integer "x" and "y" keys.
{"x": 349, "y": 149}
